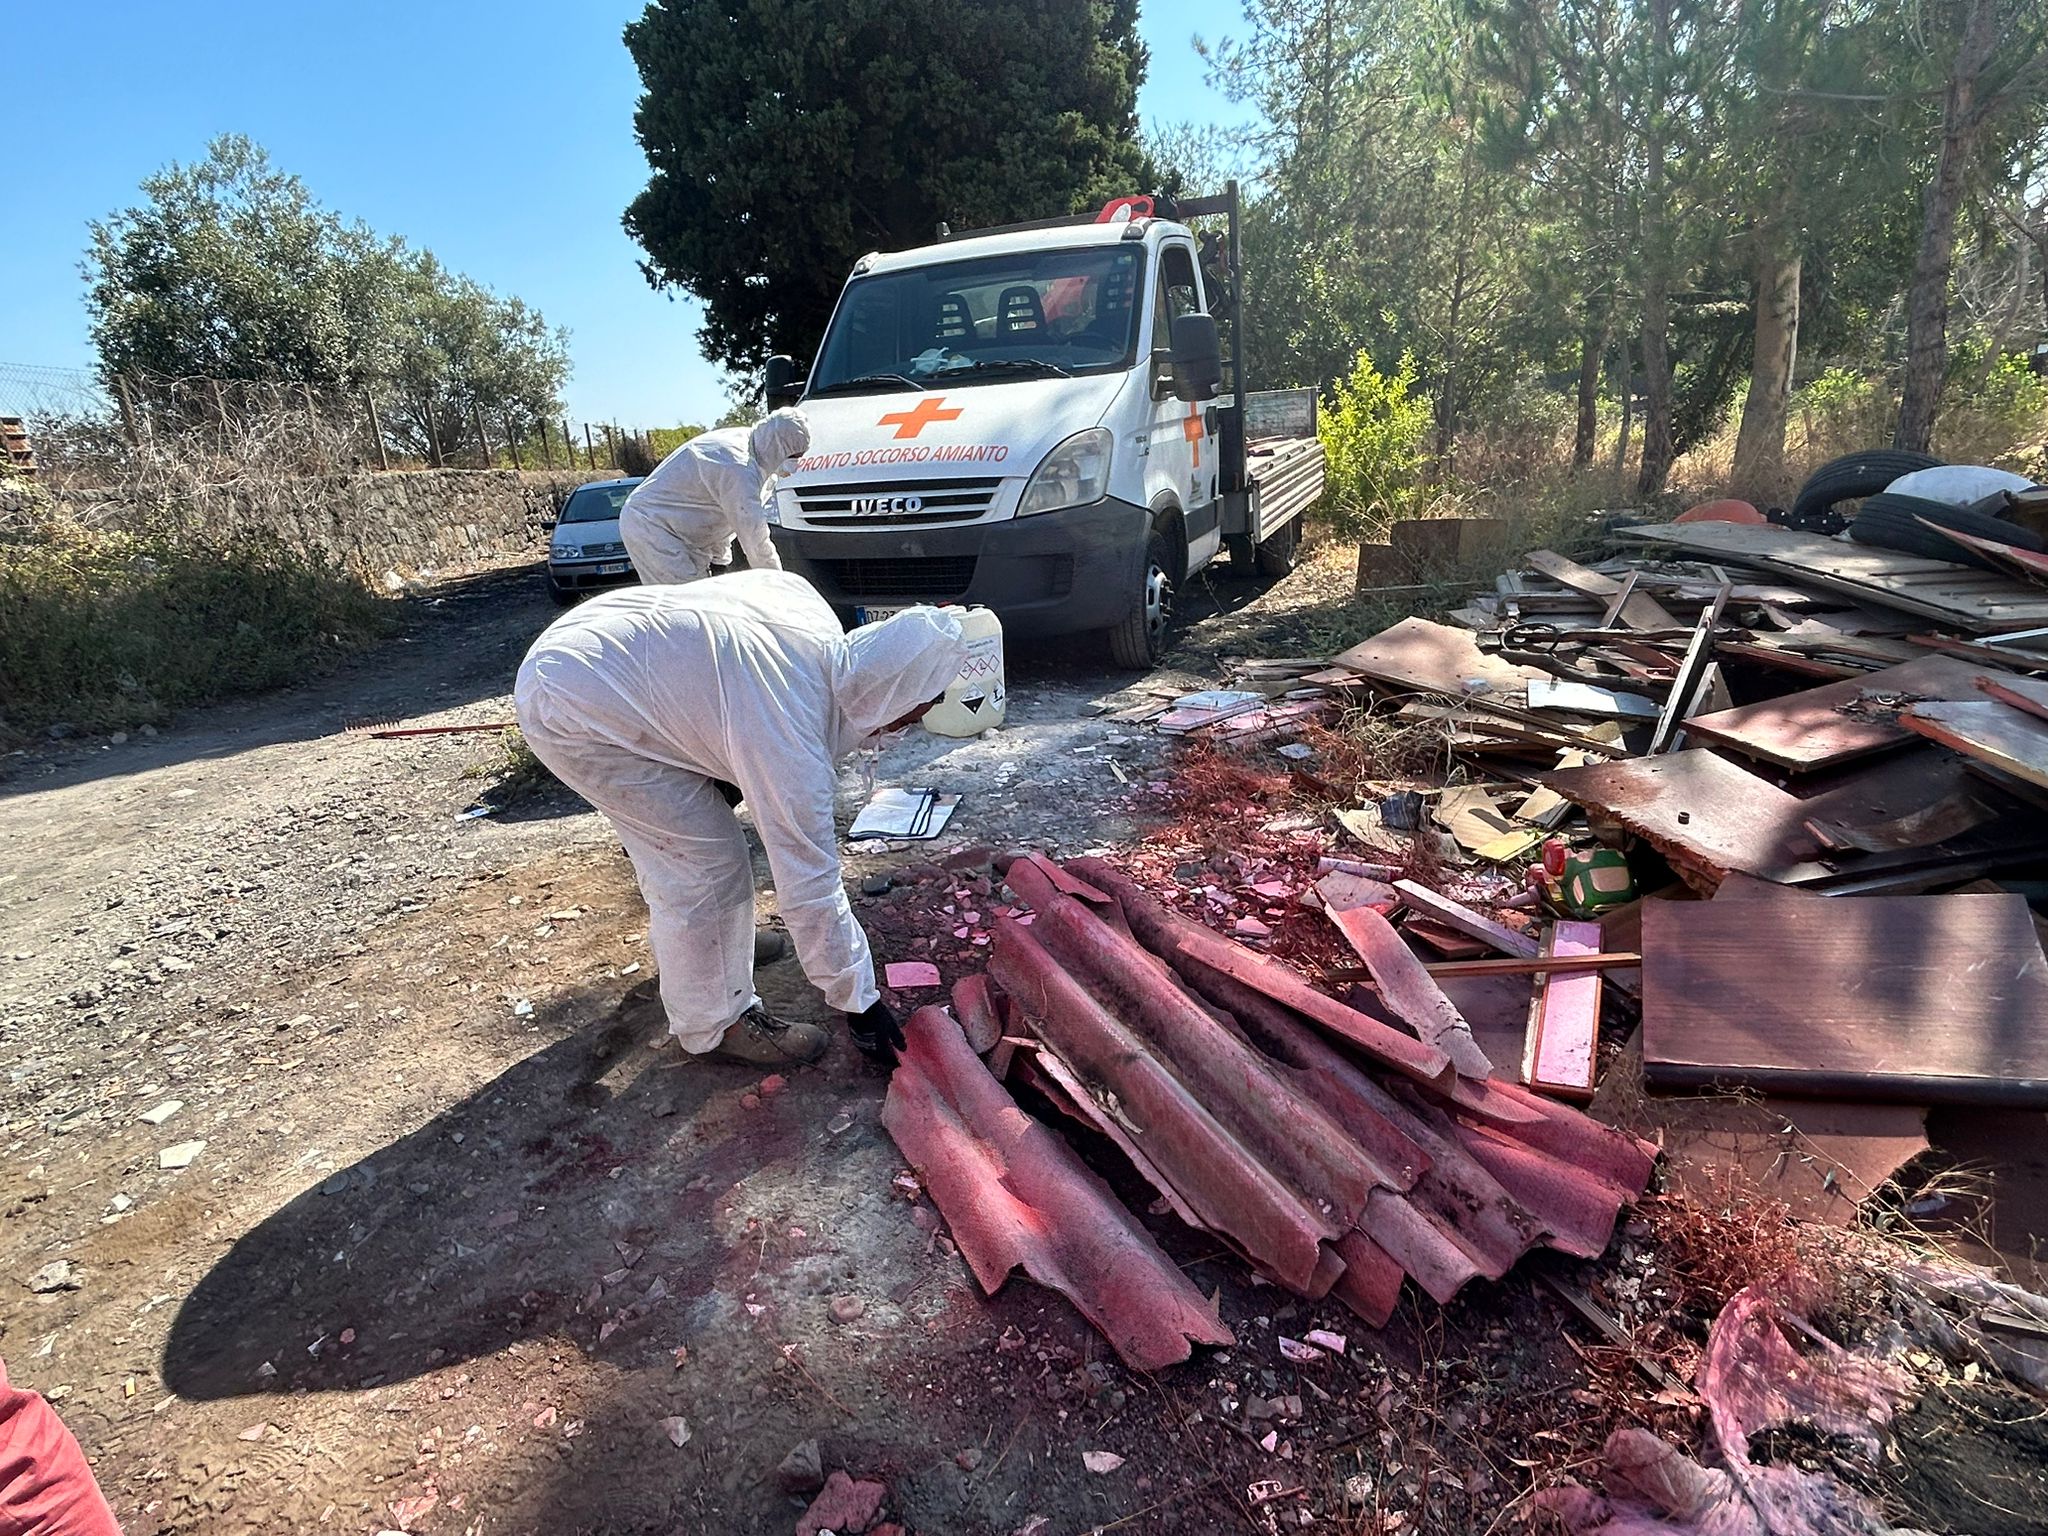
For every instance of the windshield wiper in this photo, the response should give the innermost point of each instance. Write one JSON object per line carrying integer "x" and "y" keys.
{"x": 1006, "y": 365}
{"x": 868, "y": 381}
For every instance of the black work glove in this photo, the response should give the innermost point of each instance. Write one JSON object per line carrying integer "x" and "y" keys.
{"x": 876, "y": 1032}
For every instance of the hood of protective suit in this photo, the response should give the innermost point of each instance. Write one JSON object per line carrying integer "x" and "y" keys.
{"x": 779, "y": 437}
{"x": 890, "y": 668}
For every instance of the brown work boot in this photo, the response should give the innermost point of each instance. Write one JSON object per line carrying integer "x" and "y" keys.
{"x": 759, "y": 1039}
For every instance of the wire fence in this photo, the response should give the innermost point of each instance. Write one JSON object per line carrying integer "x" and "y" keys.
{"x": 70, "y": 427}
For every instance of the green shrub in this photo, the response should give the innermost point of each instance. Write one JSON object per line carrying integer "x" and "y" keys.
{"x": 102, "y": 630}
{"x": 1372, "y": 430}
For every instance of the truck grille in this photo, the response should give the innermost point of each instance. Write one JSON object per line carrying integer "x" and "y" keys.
{"x": 936, "y": 501}
{"x": 942, "y": 577}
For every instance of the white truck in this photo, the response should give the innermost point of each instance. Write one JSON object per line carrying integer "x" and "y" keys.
{"x": 1035, "y": 419}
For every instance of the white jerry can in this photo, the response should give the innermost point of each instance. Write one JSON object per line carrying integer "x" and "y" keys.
{"x": 976, "y": 700}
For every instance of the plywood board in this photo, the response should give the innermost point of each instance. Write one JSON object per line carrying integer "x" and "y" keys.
{"x": 1433, "y": 658}
{"x": 1819, "y": 727}
{"x": 1701, "y": 811}
{"x": 1979, "y": 601}
{"x": 1821, "y": 1158}
{"x": 1900, "y": 999}
{"x": 2008, "y": 739}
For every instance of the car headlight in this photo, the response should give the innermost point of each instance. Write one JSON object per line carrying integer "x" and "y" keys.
{"x": 564, "y": 551}
{"x": 1073, "y": 474}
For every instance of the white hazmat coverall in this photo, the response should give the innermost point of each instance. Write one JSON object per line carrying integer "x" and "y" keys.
{"x": 642, "y": 697}
{"x": 682, "y": 519}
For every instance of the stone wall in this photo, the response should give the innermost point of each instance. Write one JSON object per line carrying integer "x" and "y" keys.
{"x": 407, "y": 519}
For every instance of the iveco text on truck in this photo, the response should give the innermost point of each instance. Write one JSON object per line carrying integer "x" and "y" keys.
{"x": 1034, "y": 419}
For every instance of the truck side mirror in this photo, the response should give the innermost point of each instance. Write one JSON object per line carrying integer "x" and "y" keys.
{"x": 779, "y": 381}
{"x": 1197, "y": 358}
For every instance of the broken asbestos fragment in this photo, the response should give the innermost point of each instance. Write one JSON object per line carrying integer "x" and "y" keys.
{"x": 1014, "y": 1193}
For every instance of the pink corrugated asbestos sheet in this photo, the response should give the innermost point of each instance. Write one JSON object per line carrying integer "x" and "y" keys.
{"x": 1335, "y": 1153}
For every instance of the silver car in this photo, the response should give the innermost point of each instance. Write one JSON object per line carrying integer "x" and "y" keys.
{"x": 585, "y": 553}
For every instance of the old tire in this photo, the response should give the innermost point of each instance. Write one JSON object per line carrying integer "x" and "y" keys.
{"x": 1140, "y": 640}
{"x": 1890, "y": 521}
{"x": 1276, "y": 555}
{"x": 1855, "y": 474}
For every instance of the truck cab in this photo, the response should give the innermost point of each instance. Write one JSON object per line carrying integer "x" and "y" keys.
{"x": 1027, "y": 419}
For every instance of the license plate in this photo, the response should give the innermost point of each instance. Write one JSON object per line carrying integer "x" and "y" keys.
{"x": 615, "y": 568}
{"x": 876, "y": 615}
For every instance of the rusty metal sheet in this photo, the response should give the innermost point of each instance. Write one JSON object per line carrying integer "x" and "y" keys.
{"x": 1818, "y": 727}
{"x": 1015, "y": 1193}
{"x": 2008, "y": 739}
{"x": 1901, "y": 999}
{"x": 1702, "y": 812}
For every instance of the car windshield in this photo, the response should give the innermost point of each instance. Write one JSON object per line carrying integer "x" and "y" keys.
{"x": 595, "y": 504}
{"x": 997, "y": 318}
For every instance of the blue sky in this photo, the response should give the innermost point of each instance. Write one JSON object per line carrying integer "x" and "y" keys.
{"x": 497, "y": 135}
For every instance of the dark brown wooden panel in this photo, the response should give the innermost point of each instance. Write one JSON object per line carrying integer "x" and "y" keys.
{"x": 1902, "y": 999}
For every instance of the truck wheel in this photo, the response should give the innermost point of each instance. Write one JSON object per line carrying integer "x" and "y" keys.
{"x": 1138, "y": 641}
{"x": 1276, "y": 555}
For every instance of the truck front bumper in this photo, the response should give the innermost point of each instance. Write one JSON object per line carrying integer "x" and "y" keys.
{"x": 1055, "y": 573}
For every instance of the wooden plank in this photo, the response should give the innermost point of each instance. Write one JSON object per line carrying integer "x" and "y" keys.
{"x": 1839, "y": 721}
{"x": 1564, "y": 1017}
{"x": 2023, "y": 563}
{"x": 2029, "y": 695}
{"x": 1979, "y": 601}
{"x": 2008, "y": 740}
{"x": 1701, "y": 811}
{"x": 1538, "y": 965}
{"x": 1433, "y": 658}
{"x": 2010, "y": 657}
{"x": 1901, "y": 999}
{"x": 1636, "y": 610}
{"x": 1452, "y": 915}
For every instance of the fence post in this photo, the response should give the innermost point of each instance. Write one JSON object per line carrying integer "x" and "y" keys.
{"x": 511, "y": 438}
{"x": 612, "y": 441}
{"x": 568, "y": 445}
{"x": 377, "y": 431}
{"x": 127, "y": 410}
{"x": 476, "y": 411}
{"x": 547, "y": 447}
{"x": 587, "y": 448}
{"x": 433, "y": 434}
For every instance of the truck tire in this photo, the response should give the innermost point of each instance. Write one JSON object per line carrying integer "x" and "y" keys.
{"x": 1852, "y": 475}
{"x": 1275, "y": 555}
{"x": 1139, "y": 641}
{"x": 1889, "y": 521}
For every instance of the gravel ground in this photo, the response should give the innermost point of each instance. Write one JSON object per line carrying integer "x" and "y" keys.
{"x": 382, "y": 1202}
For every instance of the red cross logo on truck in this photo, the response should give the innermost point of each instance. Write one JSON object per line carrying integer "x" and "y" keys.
{"x": 910, "y": 423}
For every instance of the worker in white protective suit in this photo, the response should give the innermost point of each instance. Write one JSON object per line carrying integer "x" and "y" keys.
{"x": 682, "y": 520}
{"x": 662, "y": 706}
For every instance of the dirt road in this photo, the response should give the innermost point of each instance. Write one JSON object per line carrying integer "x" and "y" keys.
{"x": 377, "y": 1209}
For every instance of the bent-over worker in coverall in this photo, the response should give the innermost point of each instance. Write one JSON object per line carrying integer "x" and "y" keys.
{"x": 648, "y": 699}
{"x": 682, "y": 519}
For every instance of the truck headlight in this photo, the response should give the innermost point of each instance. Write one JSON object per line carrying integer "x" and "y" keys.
{"x": 1073, "y": 474}
{"x": 771, "y": 508}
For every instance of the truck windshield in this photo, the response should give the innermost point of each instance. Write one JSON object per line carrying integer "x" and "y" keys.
{"x": 984, "y": 321}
